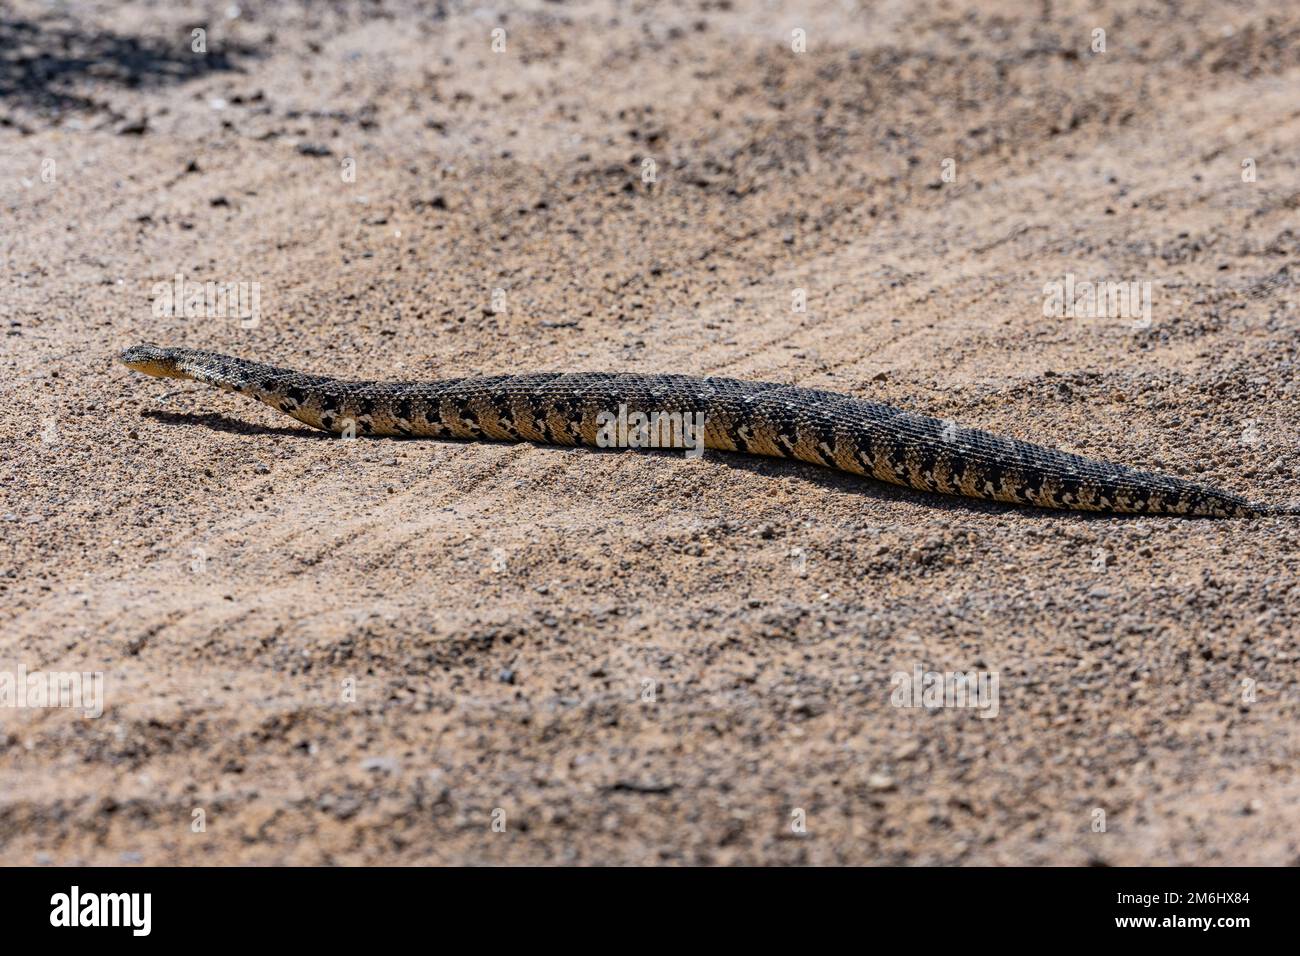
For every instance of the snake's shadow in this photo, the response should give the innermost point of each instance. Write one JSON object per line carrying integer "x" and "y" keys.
{"x": 884, "y": 491}
{"x": 771, "y": 467}
{"x": 233, "y": 426}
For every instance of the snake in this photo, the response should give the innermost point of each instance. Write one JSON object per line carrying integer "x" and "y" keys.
{"x": 758, "y": 418}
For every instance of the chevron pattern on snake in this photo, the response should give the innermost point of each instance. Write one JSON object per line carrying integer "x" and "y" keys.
{"x": 758, "y": 418}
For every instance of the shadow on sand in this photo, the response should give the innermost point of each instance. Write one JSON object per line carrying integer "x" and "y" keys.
{"x": 53, "y": 64}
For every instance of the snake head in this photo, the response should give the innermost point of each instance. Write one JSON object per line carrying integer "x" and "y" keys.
{"x": 151, "y": 360}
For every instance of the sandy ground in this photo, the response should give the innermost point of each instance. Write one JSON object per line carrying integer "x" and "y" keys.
{"x": 374, "y": 651}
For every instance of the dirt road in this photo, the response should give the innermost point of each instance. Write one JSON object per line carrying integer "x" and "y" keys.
{"x": 373, "y": 651}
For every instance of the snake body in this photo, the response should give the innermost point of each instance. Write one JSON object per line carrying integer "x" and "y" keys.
{"x": 762, "y": 418}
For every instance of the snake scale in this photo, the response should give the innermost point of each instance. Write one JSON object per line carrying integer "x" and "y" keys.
{"x": 761, "y": 418}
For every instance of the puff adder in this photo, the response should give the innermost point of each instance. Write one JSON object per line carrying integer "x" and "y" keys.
{"x": 761, "y": 418}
